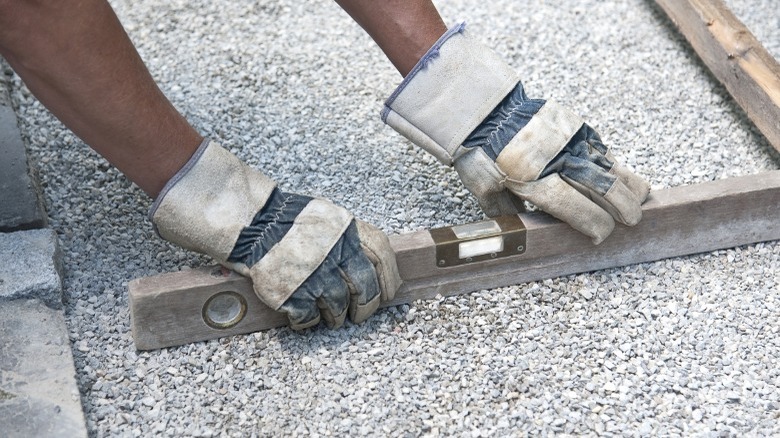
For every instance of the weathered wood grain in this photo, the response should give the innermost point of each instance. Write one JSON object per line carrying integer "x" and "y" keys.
{"x": 166, "y": 309}
{"x": 735, "y": 57}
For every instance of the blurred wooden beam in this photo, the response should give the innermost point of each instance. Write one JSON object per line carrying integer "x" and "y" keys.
{"x": 735, "y": 57}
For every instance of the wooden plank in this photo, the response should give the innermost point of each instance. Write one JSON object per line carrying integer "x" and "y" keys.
{"x": 166, "y": 309}
{"x": 735, "y": 57}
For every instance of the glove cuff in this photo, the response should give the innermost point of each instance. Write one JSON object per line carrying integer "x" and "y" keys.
{"x": 450, "y": 91}
{"x": 172, "y": 182}
{"x": 209, "y": 201}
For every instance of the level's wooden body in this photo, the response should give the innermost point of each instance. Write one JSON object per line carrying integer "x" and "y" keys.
{"x": 735, "y": 57}
{"x": 166, "y": 309}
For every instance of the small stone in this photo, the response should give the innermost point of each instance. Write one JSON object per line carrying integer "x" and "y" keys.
{"x": 148, "y": 401}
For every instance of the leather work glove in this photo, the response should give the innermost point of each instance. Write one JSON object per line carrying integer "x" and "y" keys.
{"x": 466, "y": 106}
{"x": 306, "y": 257}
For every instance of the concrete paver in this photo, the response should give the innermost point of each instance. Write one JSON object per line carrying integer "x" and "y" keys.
{"x": 39, "y": 396}
{"x": 38, "y": 392}
{"x": 20, "y": 200}
{"x": 29, "y": 266}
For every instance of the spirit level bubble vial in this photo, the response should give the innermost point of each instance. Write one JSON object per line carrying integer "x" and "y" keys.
{"x": 480, "y": 241}
{"x": 224, "y": 310}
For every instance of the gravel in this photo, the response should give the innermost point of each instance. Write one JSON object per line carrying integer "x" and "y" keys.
{"x": 685, "y": 346}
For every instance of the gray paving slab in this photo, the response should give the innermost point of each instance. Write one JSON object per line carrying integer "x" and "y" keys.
{"x": 39, "y": 396}
{"x": 38, "y": 392}
{"x": 30, "y": 267}
{"x": 20, "y": 200}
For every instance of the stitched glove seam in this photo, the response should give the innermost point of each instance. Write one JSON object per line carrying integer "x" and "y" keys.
{"x": 253, "y": 242}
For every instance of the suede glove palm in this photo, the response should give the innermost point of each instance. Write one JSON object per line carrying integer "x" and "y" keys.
{"x": 467, "y": 107}
{"x": 306, "y": 257}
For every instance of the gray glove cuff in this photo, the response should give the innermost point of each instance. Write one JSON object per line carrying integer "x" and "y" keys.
{"x": 205, "y": 206}
{"x": 175, "y": 179}
{"x": 450, "y": 91}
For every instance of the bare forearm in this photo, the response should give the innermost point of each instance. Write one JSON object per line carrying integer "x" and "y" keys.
{"x": 78, "y": 61}
{"x": 403, "y": 29}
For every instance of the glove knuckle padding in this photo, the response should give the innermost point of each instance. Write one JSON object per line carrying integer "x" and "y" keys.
{"x": 528, "y": 153}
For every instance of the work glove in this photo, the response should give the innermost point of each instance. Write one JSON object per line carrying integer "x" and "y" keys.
{"x": 306, "y": 257}
{"x": 466, "y": 106}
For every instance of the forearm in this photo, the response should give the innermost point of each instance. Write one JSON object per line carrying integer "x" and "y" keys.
{"x": 78, "y": 61}
{"x": 403, "y": 29}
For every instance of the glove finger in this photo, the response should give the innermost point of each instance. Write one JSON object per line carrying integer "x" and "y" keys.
{"x": 593, "y": 139}
{"x": 324, "y": 295}
{"x": 636, "y": 184}
{"x": 593, "y": 149}
{"x": 301, "y": 311}
{"x": 360, "y": 277}
{"x": 376, "y": 246}
{"x": 553, "y": 195}
{"x": 602, "y": 187}
{"x": 585, "y": 172}
{"x": 587, "y": 145}
{"x": 501, "y": 203}
{"x": 333, "y": 300}
{"x": 484, "y": 179}
{"x": 618, "y": 201}
{"x": 333, "y": 317}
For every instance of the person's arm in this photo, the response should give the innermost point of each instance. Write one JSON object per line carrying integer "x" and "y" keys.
{"x": 403, "y": 29}
{"x": 76, "y": 58}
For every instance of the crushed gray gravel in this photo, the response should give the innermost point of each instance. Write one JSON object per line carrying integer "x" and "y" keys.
{"x": 685, "y": 346}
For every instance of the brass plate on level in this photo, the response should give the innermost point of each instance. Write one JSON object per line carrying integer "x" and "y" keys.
{"x": 503, "y": 236}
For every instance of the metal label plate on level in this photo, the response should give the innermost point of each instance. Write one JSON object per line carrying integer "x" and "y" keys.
{"x": 500, "y": 237}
